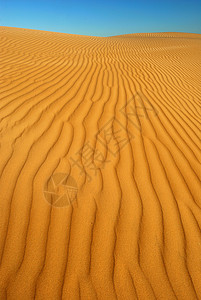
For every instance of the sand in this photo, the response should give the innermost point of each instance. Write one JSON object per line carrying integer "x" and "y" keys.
{"x": 100, "y": 166}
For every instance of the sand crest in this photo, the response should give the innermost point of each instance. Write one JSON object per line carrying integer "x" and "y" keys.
{"x": 100, "y": 194}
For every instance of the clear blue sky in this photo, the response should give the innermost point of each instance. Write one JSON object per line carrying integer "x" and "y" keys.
{"x": 103, "y": 17}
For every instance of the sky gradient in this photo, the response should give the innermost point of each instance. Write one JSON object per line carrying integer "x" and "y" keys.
{"x": 103, "y": 18}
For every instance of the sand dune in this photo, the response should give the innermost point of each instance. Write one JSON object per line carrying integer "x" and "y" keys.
{"x": 100, "y": 166}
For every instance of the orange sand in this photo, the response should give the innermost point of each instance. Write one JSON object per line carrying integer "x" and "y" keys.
{"x": 100, "y": 166}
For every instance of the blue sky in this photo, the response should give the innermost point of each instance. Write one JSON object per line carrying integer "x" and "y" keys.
{"x": 103, "y": 18}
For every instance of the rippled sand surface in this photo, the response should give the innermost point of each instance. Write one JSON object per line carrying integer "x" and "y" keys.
{"x": 100, "y": 194}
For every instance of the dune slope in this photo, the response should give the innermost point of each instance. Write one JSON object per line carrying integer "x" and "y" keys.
{"x": 100, "y": 166}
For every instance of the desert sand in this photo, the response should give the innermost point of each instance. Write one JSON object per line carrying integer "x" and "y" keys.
{"x": 100, "y": 194}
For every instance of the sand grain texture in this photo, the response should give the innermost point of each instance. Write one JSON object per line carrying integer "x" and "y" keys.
{"x": 121, "y": 117}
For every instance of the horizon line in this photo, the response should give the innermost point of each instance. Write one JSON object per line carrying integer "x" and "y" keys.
{"x": 99, "y": 35}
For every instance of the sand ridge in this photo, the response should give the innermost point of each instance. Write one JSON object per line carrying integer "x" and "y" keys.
{"x": 100, "y": 166}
